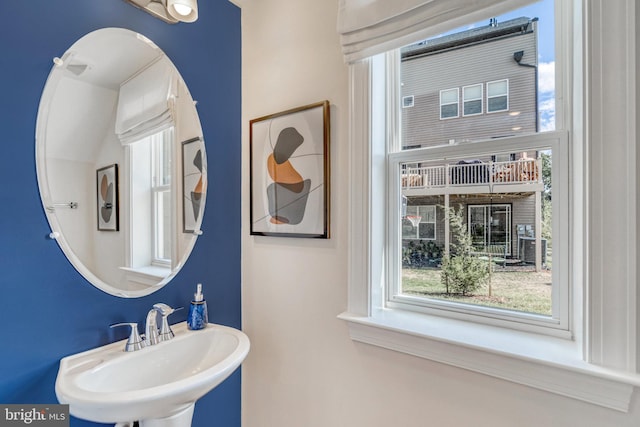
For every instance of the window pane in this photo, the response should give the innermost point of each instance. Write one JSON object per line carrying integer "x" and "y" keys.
{"x": 449, "y": 96}
{"x": 427, "y": 231}
{"x": 450, "y": 110}
{"x": 497, "y": 104}
{"x": 163, "y": 225}
{"x": 472, "y": 92}
{"x": 407, "y": 102}
{"x": 497, "y": 88}
{"x": 473, "y": 107}
{"x": 493, "y": 256}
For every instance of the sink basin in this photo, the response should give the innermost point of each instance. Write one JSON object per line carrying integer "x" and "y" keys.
{"x": 158, "y": 385}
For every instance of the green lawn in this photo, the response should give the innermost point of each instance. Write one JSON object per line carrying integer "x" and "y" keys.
{"x": 527, "y": 291}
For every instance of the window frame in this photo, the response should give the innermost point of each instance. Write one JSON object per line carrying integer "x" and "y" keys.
{"x": 506, "y": 94}
{"x": 481, "y": 99}
{"x": 560, "y": 323}
{"x": 598, "y": 365}
{"x": 457, "y": 103}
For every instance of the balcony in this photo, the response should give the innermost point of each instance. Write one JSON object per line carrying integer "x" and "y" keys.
{"x": 473, "y": 177}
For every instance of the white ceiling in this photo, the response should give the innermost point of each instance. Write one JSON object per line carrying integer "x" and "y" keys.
{"x": 82, "y": 103}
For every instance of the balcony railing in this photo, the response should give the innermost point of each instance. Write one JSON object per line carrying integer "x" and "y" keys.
{"x": 475, "y": 172}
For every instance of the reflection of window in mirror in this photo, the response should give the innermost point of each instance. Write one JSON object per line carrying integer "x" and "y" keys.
{"x": 161, "y": 198}
{"x": 150, "y": 166}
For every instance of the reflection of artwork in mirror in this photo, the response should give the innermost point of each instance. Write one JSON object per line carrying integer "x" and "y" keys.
{"x": 193, "y": 183}
{"x": 290, "y": 173}
{"x": 107, "y": 189}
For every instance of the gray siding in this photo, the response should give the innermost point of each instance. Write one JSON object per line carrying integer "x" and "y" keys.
{"x": 424, "y": 77}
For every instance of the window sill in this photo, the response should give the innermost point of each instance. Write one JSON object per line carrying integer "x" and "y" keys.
{"x": 148, "y": 276}
{"x": 546, "y": 363}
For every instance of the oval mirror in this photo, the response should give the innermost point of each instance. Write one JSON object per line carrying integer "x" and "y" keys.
{"x": 121, "y": 162}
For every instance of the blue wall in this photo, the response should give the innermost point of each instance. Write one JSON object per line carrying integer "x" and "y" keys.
{"x": 47, "y": 310}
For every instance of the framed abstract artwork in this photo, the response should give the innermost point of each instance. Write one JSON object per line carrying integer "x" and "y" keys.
{"x": 289, "y": 168}
{"x": 193, "y": 183}
{"x": 107, "y": 200}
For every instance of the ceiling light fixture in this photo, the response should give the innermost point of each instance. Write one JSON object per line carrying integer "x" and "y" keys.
{"x": 170, "y": 11}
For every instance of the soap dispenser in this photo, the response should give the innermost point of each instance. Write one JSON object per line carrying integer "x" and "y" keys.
{"x": 198, "y": 317}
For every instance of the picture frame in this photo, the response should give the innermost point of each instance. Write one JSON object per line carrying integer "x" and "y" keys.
{"x": 193, "y": 184}
{"x": 289, "y": 173}
{"x": 107, "y": 192}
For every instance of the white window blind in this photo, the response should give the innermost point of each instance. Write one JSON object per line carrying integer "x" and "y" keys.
{"x": 370, "y": 27}
{"x": 145, "y": 102}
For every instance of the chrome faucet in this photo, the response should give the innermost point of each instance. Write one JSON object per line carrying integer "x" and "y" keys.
{"x": 153, "y": 334}
{"x": 151, "y": 328}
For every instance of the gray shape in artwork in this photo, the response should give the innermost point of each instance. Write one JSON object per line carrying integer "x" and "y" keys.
{"x": 288, "y": 141}
{"x": 107, "y": 207}
{"x": 196, "y": 200}
{"x": 197, "y": 160}
{"x": 285, "y": 205}
{"x": 196, "y": 197}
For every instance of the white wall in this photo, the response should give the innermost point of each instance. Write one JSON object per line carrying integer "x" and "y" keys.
{"x": 303, "y": 370}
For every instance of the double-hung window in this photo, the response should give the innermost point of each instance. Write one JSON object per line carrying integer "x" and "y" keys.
{"x": 498, "y": 96}
{"x": 472, "y": 100}
{"x": 449, "y": 103}
{"x": 161, "y": 146}
{"x": 510, "y": 286}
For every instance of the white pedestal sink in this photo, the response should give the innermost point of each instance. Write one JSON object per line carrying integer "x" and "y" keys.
{"x": 158, "y": 385}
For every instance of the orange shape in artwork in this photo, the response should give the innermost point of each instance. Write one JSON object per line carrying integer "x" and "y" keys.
{"x": 104, "y": 185}
{"x": 283, "y": 173}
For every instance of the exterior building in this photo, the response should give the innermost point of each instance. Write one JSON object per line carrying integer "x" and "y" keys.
{"x": 490, "y": 93}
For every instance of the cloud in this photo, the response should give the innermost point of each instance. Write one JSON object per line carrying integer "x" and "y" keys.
{"x": 547, "y": 77}
{"x": 546, "y": 96}
{"x": 547, "y": 114}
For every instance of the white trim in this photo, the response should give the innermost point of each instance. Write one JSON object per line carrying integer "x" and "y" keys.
{"x": 545, "y": 363}
{"x": 611, "y": 135}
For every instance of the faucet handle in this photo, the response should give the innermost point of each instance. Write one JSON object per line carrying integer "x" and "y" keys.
{"x": 134, "y": 342}
{"x": 165, "y": 330}
{"x": 164, "y": 309}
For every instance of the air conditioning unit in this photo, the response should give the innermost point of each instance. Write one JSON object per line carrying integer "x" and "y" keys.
{"x": 527, "y": 249}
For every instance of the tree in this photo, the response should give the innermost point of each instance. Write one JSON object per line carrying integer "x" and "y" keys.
{"x": 462, "y": 272}
{"x": 546, "y": 196}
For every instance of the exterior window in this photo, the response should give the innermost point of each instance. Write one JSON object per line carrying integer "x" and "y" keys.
{"x": 472, "y": 100}
{"x": 498, "y": 96}
{"x": 419, "y": 223}
{"x": 449, "y": 103}
{"x": 407, "y": 101}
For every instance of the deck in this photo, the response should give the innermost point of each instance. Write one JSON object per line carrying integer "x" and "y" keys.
{"x": 474, "y": 177}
